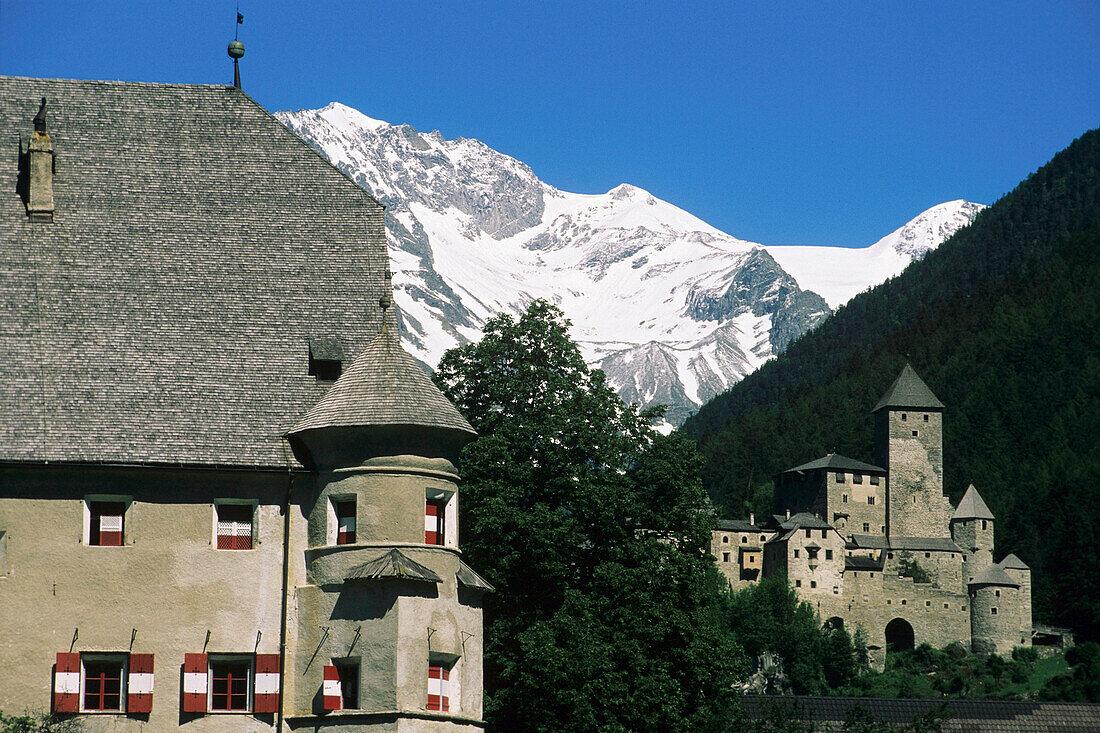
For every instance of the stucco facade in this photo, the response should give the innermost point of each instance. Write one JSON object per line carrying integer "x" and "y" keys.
{"x": 880, "y": 548}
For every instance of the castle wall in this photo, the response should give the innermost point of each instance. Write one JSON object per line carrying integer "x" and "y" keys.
{"x": 166, "y": 591}
{"x": 739, "y": 555}
{"x": 945, "y": 568}
{"x": 863, "y": 502}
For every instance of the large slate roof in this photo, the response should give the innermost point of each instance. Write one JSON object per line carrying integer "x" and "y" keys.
{"x": 909, "y": 390}
{"x": 384, "y": 387}
{"x": 838, "y": 462}
{"x": 197, "y": 247}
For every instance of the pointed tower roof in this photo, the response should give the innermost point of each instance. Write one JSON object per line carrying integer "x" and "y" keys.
{"x": 384, "y": 386}
{"x": 993, "y": 575}
{"x": 1011, "y": 562}
{"x": 909, "y": 390}
{"x": 972, "y": 507}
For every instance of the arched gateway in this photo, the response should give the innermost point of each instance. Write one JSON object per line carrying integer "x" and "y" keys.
{"x": 899, "y": 635}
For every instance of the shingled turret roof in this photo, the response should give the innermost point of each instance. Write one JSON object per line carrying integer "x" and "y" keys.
{"x": 1011, "y": 562}
{"x": 384, "y": 387}
{"x": 993, "y": 575}
{"x": 197, "y": 247}
{"x": 972, "y": 507}
{"x": 909, "y": 390}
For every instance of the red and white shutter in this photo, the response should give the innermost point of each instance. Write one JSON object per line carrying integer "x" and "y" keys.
{"x": 433, "y": 523}
{"x": 66, "y": 683}
{"x": 438, "y": 688}
{"x": 139, "y": 684}
{"x": 234, "y": 527}
{"x": 345, "y": 523}
{"x": 331, "y": 693}
{"x": 110, "y": 524}
{"x": 267, "y": 684}
{"x": 195, "y": 671}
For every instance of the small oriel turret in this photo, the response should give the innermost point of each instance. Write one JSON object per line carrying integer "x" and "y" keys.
{"x": 972, "y": 530}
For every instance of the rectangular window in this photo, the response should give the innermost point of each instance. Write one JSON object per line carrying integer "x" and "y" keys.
{"x": 345, "y": 522}
{"x": 840, "y": 478}
{"x": 341, "y": 685}
{"x": 234, "y": 526}
{"x": 870, "y": 500}
{"x": 809, "y": 533}
{"x": 103, "y": 676}
{"x": 874, "y": 480}
{"x": 926, "y": 418}
{"x": 903, "y": 417}
{"x": 824, "y": 533}
{"x": 439, "y": 684}
{"x": 866, "y": 526}
{"x": 796, "y": 553}
{"x": 798, "y": 584}
{"x": 725, "y": 557}
{"x": 836, "y": 590}
{"x": 914, "y": 433}
{"x": 857, "y": 478}
{"x": 928, "y": 603}
{"x": 434, "y": 511}
{"x": 828, "y": 554}
{"x": 106, "y": 525}
{"x": 843, "y": 498}
{"x": 993, "y": 611}
{"x": 230, "y": 684}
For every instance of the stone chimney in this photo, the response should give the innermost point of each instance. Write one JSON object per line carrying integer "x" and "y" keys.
{"x": 752, "y": 519}
{"x": 788, "y": 512}
{"x": 40, "y": 170}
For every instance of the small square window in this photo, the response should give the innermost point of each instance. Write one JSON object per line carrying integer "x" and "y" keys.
{"x": 762, "y": 538}
{"x": 872, "y": 575}
{"x": 345, "y": 521}
{"x": 914, "y": 433}
{"x": 903, "y": 417}
{"x": 903, "y": 601}
{"x": 928, "y": 603}
{"x": 840, "y": 478}
{"x": 874, "y": 480}
{"x": 439, "y": 688}
{"x": 836, "y": 590}
{"x": 857, "y": 478}
{"x": 798, "y": 584}
{"x": 993, "y": 611}
{"x": 106, "y": 523}
{"x": 725, "y": 557}
{"x": 104, "y": 679}
{"x": 725, "y": 538}
{"x": 828, "y": 554}
{"x": 234, "y": 523}
{"x": 945, "y": 605}
{"x": 870, "y": 500}
{"x": 926, "y": 418}
{"x": 997, "y": 593}
{"x": 230, "y": 684}
{"x": 813, "y": 583}
{"x": 866, "y": 526}
{"x": 928, "y": 554}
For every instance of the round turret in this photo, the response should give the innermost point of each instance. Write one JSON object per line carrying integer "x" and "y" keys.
{"x": 994, "y": 612}
{"x": 236, "y": 49}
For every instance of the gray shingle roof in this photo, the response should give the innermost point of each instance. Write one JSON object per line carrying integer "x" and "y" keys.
{"x": 909, "y": 390}
{"x": 838, "y": 462}
{"x": 737, "y": 525}
{"x": 993, "y": 575}
{"x": 939, "y": 544}
{"x": 393, "y": 566}
{"x": 468, "y": 578}
{"x": 383, "y": 386}
{"x": 971, "y": 506}
{"x": 197, "y": 247}
{"x": 1011, "y": 562}
{"x": 862, "y": 562}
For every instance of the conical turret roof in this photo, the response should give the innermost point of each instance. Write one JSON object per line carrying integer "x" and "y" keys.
{"x": 972, "y": 506}
{"x": 384, "y": 386}
{"x": 909, "y": 390}
{"x": 1011, "y": 562}
{"x": 993, "y": 575}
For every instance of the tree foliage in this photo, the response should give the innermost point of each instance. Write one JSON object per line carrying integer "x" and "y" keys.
{"x": 609, "y": 612}
{"x": 1002, "y": 322}
{"x": 38, "y": 723}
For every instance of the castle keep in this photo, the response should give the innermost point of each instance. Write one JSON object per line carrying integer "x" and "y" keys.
{"x": 879, "y": 547}
{"x": 228, "y": 498}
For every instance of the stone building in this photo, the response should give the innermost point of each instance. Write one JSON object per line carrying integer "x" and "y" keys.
{"x": 228, "y": 497}
{"x": 880, "y": 547}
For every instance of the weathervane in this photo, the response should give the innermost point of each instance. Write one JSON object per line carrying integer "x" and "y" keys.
{"x": 236, "y": 49}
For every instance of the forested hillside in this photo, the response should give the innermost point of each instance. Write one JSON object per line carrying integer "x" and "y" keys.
{"x": 1002, "y": 323}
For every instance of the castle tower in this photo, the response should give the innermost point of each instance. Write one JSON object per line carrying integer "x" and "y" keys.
{"x": 972, "y": 530}
{"x": 994, "y": 612}
{"x": 1021, "y": 573}
{"x": 389, "y": 621}
{"x": 909, "y": 445}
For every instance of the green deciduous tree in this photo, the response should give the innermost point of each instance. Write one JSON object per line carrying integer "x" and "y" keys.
{"x": 609, "y": 612}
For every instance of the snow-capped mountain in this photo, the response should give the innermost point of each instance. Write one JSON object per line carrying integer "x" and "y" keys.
{"x": 672, "y": 309}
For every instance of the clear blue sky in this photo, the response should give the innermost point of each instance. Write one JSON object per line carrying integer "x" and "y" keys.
{"x": 807, "y": 123}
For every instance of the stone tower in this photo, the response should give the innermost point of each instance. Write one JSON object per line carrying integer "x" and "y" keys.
{"x": 994, "y": 612}
{"x": 389, "y": 620}
{"x": 1021, "y": 573}
{"x": 909, "y": 445}
{"x": 972, "y": 530}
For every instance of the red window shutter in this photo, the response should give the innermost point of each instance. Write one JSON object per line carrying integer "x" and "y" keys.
{"x": 139, "y": 684}
{"x": 330, "y": 692}
{"x": 195, "y": 670}
{"x": 345, "y": 522}
{"x": 235, "y": 526}
{"x": 107, "y": 518}
{"x": 266, "y": 698}
{"x": 433, "y": 523}
{"x": 66, "y": 683}
{"x": 438, "y": 688}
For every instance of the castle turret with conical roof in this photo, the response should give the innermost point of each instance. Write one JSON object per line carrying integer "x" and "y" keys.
{"x": 909, "y": 445}
{"x": 388, "y": 600}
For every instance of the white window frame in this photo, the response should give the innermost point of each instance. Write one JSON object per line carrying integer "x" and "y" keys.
{"x": 450, "y": 514}
{"x": 333, "y": 525}
{"x": 250, "y": 660}
{"x": 127, "y": 517}
{"x": 105, "y": 657}
{"x": 254, "y": 504}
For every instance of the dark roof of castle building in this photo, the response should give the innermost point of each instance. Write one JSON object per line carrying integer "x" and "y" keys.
{"x": 909, "y": 390}
{"x": 838, "y": 462}
{"x": 1011, "y": 562}
{"x": 971, "y": 506}
{"x": 196, "y": 248}
{"x": 737, "y": 525}
{"x": 862, "y": 562}
{"x": 993, "y": 575}
{"x": 384, "y": 387}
